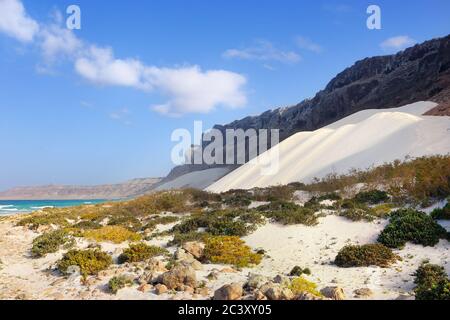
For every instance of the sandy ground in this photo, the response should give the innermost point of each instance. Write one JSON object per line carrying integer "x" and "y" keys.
{"x": 286, "y": 246}
{"x": 364, "y": 139}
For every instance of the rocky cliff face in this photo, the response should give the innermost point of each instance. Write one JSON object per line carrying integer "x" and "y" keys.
{"x": 418, "y": 73}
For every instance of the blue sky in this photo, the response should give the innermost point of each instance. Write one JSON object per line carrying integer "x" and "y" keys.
{"x": 98, "y": 105}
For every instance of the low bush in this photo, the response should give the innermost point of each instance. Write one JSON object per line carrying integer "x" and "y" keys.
{"x": 140, "y": 252}
{"x": 181, "y": 238}
{"x": 90, "y": 261}
{"x": 50, "y": 242}
{"x": 407, "y": 225}
{"x": 220, "y": 222}
{"x": 431, "y": 283}
{"x": 288, "y": 213}
{"x": 118, "y": 282}
{"x": 151, "y": 225}
{"x": 115, "y": 234}
{"x": 127, "y": 221}
{"x": 298, "y": 271}
{"x": 372, "y": 197}
{"x": 441, "y": 214}
{"x": 301, "y": 285}
{"x": 87, "y": 225}
{"x": 230, "y": 250}
{"x": 365, "y": 256}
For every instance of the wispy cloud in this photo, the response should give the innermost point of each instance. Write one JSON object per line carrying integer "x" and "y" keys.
{"x": 308, "y": 44}
{"x": 186, "y": 89}
{"x": 15, "y": 22}
{"x": 263, "y": 50}
{"x": 122, "y": 116}
{"x": 397, "y": 43}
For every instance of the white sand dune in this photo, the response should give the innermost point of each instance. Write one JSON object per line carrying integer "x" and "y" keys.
{"x": 364, "y": 139}
{"x": 197, "y": 179}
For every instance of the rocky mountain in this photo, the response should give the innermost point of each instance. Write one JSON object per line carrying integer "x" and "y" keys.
{"x": 418, "y": 73}
{"x": 59, "y": 192}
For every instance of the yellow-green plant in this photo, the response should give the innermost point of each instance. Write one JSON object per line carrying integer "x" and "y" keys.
{"x": 230, "y": 250}
{"x": 301, "y": 285}
{"x": 115, "y": 234}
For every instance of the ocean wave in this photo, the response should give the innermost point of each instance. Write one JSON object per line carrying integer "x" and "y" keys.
{"x": 6, "y": 206}
{"x": 10, "y": 210}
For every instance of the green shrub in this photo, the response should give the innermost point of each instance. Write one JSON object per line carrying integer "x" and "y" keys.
{"x": 431, "y": 283}
{"x": 413, "y": 226}
{"x": 288, "y": 213}
{"x": 181, "y": 238}
{"x": 151, "y": 225}
{"x": 372, "y": 197}
{"x": 140, "y": 252}
{"x": 127, "y": 221}
{"x": 301, "y": 285}
{"x": 49, "y": 243}
{"x": 298, "y": 271}
{"x": 441, "y": 214}
{"x": 117, "y": 283}
{"x": 219, "y": 222}
{"x": 90, "y": 261}
{"x": 230, "y": 250}
{"x": 365, "y": 256}
{"x": 115, "y": 234}
{"x": 87, "y": 224}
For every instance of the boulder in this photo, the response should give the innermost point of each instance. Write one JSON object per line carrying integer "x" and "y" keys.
{"x": 334, "y": 293}
{"x": 179, "y": 276}
{"x": 145, "y": 287}
{"x": 277, "y": 292}
{"x": 154, "y": 265}
{"x": 182, "y": 255}
{"x": 282, "y": 280}
{"x": 195, "y": 248}
{"x": 229, "y": 292}
{"x": 161, "y": 289}
{"x": 255, "y": 281}
{"x": 363, "y": 293}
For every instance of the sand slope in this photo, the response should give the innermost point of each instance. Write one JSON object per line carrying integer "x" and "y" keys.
{"x": 367, "y": 138}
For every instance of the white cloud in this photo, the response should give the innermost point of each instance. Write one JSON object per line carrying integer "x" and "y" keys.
{"x": 191, "y": 90}
{"x": 187, "y": 89}
{"x": 15, "y": 22}
{"x": 263, "y": 51}
{"x": 99, "y": 66}
{"x": 305, "y": 43}
{"x": 397, "y": 43}
{"x": 56, "y": 42}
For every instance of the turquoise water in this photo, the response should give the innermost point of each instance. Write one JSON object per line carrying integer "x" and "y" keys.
{"x": 23, "y": 206}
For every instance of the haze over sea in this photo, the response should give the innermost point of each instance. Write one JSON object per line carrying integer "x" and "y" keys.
{"x": 8, "y": 207}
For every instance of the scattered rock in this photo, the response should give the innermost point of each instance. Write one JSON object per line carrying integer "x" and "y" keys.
{"x": 405, "y": 297}
{"x": 213, "y": 275}
{"x": 154, "y": 265}
{"x": 160, "y": 289}
{"x": 195, "y": 248}
{"x": 179, "y": 276}
{"x": 335, "y": 293}
{"x": 145, "y": 287}
{"x": 145, "y": 278}
{"x": 282, "y": 280}
{"x": 228, "y": 270}
{"x": 229, "y": 292}
{"x": 307, "y": 296}
{"x": 182, "y": 255}
{"x": 255, "y": 281}
{"x": 204, "y": 292}
{"x": 258, "y": 295}
{"x": 277, "y": 292}
{"x": 363, "y": 293}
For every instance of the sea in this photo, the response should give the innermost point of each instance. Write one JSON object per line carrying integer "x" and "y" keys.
{"x": 9, "y": 207}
